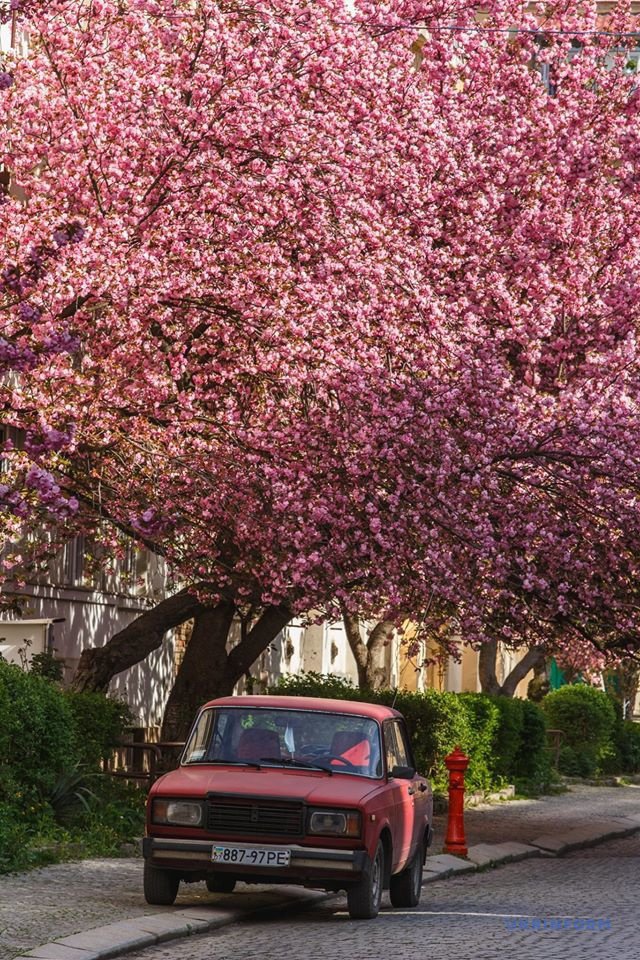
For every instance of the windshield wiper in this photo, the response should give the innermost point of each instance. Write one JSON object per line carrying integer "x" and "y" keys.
{"x": 304, "y": 764}
{"x": 235, "y": 763}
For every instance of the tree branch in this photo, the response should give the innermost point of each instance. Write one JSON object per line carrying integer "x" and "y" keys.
{"x": 99, "y": 665}
{"x": 266, "y": 629}
{"x": 531, "y": 659}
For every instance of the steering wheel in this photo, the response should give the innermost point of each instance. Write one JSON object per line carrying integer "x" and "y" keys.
{"x": 335, "y": 756}
{"x": 313, "y": 750}
{"x": 318, "y": 751}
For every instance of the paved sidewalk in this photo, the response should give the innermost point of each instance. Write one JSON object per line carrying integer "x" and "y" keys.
{"x": 94, "y": 909}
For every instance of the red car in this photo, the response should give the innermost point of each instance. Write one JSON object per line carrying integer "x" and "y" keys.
{"x": 322, "y": 793}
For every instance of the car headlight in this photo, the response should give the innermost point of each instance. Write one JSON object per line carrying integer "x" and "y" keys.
{"x": 180, "y": 812}
{"x": 334, "y": 823}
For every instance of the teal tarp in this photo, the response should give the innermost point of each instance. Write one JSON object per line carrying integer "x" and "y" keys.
{"x": 556, "y": 676}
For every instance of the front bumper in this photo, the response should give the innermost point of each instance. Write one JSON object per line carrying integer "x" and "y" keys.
{"x": 307, "y": 863}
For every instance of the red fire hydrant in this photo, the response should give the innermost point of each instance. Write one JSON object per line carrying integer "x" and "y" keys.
{"x": 456, "y": 763}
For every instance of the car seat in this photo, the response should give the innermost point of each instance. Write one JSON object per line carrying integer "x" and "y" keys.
{"x": 256, "y": 743}
{"x": 353, "y": 746}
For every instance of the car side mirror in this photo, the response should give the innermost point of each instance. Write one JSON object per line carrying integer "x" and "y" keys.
{"x": 402, "y": 773}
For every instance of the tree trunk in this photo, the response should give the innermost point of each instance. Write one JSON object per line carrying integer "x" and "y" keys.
{"x": 202, "y": 675}
{"x": 98, "y": 665}
{"x": 380, "y": 638}
{"x": 629, "y": 674}
{"x": 487, "y": 669}
{"x": 370, "y": 656}
{"x": 357, "y": 644}
{"x": 208, "y": 669}
{"x": 539, "y": 686}
{"x": 532, "y": 658}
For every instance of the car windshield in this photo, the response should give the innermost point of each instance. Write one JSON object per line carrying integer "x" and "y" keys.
{"x": 304, "y": 739}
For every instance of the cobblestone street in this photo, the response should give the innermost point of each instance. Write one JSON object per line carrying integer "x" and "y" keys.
{"x": 471, "y": 916}
{"x": 57, "y": 901}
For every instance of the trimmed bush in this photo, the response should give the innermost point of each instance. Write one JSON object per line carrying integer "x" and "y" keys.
{"x": 484, "y": 723}
{"x": 53, "y": 795}
{"x": 532, "y": 762}
{"x": 99, "y": 725}
{"x": 577, "y": 763}
{"x": 625, "y": 749}
{"x": 508, "y": 736}
{"x": 39, "y": 733}
{"x": 437, "y": 723}
{"x": 629, "y": 746}
{"x": 587, "y": 719}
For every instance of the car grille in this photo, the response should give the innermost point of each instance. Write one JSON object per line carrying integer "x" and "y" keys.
{"x": 241, "y": 816}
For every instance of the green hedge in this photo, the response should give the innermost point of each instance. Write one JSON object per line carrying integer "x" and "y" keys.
{"x": 504, "y": 739}
{"x": 532, "y": 763}
{"x": 38, "y": 729}
{"x": 53, "y": 793}
{"x": 587, "y": 718}
{"x": 622, "y": 753}
{"x": 98, "y": 722}
{"x": 628, "y": 743}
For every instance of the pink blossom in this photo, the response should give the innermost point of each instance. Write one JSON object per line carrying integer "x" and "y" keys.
{"x": 330, "y": 325}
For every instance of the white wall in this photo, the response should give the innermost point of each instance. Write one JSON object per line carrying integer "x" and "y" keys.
{"x": 5, "y": 37}
{"x": 90, "y": 619}
{"x": 21, "y": 639}
{"x": 22, "y": 40}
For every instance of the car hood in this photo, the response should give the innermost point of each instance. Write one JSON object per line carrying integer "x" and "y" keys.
{"x": 311, "y": 786}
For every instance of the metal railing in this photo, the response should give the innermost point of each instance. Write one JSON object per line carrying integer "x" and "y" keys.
{"x": 555, "y": 738}
{"x": 143, "y": 762}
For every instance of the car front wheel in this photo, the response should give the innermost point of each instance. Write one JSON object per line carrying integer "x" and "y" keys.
{"x": 405, "y": 888}
{"x": 364, "y": 897}
{"x": 160, "y": 886}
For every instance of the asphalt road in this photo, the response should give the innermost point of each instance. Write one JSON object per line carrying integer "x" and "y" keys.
{"x": 583, "y": 906}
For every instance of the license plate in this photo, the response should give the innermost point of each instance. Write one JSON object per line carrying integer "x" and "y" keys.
{"x": 251, "y": 856}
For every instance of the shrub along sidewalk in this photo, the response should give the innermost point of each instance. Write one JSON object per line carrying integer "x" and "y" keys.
{"x": 55, "y": 801}
{"x": 596, "y": 740}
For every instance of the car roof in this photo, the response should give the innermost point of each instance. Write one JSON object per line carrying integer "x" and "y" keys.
{"x": 374, "y": 710}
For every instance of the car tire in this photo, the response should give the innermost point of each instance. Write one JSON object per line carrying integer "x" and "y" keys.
{"x": 405, "y": 888}
{"x": 220, "y": 883}
{"x": 160, "y": 886}
{"x": 364, "y": 897}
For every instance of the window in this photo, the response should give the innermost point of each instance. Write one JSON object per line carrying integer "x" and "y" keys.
{"x": 135, "y": 569}
{"x": 398, "y": 751}
{"x": 74, "y": 561}
{"x": 405, "y": 745}
{"x": 17, "y": 439}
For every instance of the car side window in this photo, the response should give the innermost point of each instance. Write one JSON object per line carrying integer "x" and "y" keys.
{"x": 404, "y": 746}
{"x": 392, "y": 746}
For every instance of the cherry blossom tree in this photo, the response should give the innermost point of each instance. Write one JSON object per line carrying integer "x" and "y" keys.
{"x": 348, "y": 299}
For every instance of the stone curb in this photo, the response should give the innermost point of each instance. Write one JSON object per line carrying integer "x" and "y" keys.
{"x": 495, "y": 854}
{"x": 588, "y": 836}
{"x": 126, "y": 936}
